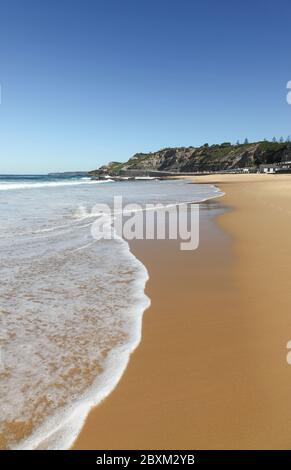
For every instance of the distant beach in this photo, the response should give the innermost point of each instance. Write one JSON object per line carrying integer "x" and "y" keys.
{"x": 211, "y": 369}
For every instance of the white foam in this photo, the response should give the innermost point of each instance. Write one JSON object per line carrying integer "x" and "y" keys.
{"x": 55, "y": 295}
{"x": 61, "y": 430}
{"x": 145, "y": 178}
{"x": 5, "y": 186}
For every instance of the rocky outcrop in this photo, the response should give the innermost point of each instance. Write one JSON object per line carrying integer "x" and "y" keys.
{"x": 201, "y": 159}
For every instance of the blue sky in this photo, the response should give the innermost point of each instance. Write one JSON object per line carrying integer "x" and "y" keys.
{"x": 89, "y": 81}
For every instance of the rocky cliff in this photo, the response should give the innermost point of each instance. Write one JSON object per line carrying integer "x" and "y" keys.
{"x": 202, "y": 159}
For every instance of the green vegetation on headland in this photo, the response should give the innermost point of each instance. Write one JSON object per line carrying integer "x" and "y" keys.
{"x": 207, "y": 158}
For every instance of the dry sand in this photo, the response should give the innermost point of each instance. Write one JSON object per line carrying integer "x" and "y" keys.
{"x": 211, "y": 370}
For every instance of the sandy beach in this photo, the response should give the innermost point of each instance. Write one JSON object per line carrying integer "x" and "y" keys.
{"x": 211, "y": 370}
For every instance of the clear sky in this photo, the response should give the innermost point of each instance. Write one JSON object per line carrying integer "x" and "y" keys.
{"x": 89, "y": 81}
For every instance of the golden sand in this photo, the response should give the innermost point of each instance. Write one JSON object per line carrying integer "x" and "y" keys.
{"x": 211, "y": 370}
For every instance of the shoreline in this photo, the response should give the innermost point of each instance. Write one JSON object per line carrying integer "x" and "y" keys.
{"x": 143, "y": 249}
{"x": 59, "y": 432}
{"x": 211, "y": 369}
{"x": 62, "y": 427}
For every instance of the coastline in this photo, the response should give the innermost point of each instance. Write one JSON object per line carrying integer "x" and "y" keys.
{"x": 101, "y": 315}
{"x": 211, "y": 369}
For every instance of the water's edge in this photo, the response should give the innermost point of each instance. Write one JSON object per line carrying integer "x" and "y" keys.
{"x": 221, "y": 194}
{"x": 61, "y": 430}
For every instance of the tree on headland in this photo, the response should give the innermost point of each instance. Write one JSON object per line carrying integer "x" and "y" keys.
{"x": 288, "y": 138}
{"x": 281, "y": 140}
{"x": 237, "y": 142}
{"x": 274, "y": 139}
{"x": 246, "y": 141}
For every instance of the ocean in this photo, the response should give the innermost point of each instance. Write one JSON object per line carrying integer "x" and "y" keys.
{"x": 71, "y": 306}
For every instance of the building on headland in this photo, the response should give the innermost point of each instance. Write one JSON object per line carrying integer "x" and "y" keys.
{"x": 268, "y": 168}
{"x": 280, "y": 167}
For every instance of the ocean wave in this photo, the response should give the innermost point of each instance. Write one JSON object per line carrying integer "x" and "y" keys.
{"x": 59, "y": 431}
{"x": 5, "y": 186}
{"x": 71, "y": 306}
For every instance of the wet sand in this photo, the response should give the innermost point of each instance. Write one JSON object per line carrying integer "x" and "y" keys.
{"x": 211, "y": 370}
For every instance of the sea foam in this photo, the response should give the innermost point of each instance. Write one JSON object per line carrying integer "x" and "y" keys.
{"x": 71, "y": 306}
